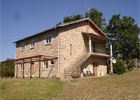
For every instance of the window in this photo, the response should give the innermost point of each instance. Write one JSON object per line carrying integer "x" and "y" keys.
{"x": 46, "y": 65}
{"x": 22, "y": 47}
{"x": 52, "y": 62}
{"x": 21, "y": 67}
{"x": 100, "y": 43}
{"x": 70, "y": 49}
{"x": 32, "y": 44}
{"x": 48, "y": 40}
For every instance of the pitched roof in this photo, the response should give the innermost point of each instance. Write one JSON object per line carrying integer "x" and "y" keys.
{"x": 65, "y": 24}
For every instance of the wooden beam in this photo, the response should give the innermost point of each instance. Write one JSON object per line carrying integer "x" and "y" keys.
{"x": 17, "y": 71}
{"x": 6, "y": 70}
{"x": 30, "y": 67}
{"x": 39, "y": 67}
{"x": 2, "y": 70}
{"x": 23, "y": 68}
{"x": 11, "y": 69}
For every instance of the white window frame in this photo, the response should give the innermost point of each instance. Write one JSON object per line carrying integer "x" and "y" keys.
{"x": 48, "y": 40}
{"x": 23, "y": 47}
{"x": 32, "y": 45}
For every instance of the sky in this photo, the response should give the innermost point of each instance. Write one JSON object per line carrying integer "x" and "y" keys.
{"x": 22, "y": 18}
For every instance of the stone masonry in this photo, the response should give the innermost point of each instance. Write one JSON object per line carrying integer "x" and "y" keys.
{"x": 67, "y": 44}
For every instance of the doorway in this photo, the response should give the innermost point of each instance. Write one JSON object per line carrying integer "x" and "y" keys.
{"x": 93, "y": 46}
{"x": 32, "y": 68}
{"x": 95, "y": 68}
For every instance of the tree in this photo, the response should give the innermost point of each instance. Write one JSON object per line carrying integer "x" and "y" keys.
{"x": 125, "y": 33}
{"x": 71, "y": 18}
{"x": 58, "y": 23}
{"x": 93, "y": 14}
{"x": 119, "y": 67}
{"x": 7, "y": 66}
{"x": 96, "y": 17}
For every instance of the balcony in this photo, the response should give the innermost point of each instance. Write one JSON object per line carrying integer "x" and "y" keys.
{"x": 100, "y": 52}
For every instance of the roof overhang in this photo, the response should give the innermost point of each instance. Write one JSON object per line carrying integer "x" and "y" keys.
{"x": 97, "y": 36}
{"x": 66, "y": 24}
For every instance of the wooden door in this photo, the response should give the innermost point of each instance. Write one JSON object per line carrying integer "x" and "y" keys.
{"x": 32, "y": 68}
{"x": 95, "y": 68}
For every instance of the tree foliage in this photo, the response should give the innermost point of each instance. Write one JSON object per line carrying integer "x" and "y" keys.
{"x": 119, "y": 67}
{"x": 72, "y": 18}
{"x": 125, "y": 33}
{"x": 131, "y": 66}
{"x": 7, "y": 66}
{"x": 93, "y": 14}
{"x": 58, "y": 23}
{"x": 96, "y": 17}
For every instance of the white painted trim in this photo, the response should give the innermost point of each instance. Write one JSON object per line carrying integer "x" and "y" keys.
{"x": 90, "y": 44}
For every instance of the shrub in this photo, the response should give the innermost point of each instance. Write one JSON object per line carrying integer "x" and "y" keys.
{"x": 130, "y": 66}
{"x": 119, "y": 67}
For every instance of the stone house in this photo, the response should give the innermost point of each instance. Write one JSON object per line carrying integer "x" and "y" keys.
{"x": 74, "y": 49}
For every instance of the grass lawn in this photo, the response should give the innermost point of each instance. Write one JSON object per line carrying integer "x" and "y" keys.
{"x": 29, "y": 89}
{"x": 115, "y": 87}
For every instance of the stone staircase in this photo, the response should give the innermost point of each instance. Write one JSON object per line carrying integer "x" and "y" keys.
{"x": 76, "y": 63}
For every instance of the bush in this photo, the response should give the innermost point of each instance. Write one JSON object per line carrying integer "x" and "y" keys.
{"x": 119, "y": 67}
{"x": 130, "y": 66}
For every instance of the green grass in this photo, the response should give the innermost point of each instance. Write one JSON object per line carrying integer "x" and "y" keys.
{"x": 29, "y": 89}
{"x": 115, "y": 87}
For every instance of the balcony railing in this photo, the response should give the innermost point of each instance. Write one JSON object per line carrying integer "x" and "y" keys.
{"x": 101, "y": 51}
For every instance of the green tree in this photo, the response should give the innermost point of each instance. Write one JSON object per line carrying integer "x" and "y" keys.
{"x": 93, "y": 14}
{"x": 58, "y": 23}
{"x": 71, "y": 18}
{"x": 119, "y": 67}
{"x": 125, "y": 33}
{"x": 7, "y": 66}
{"x": 96, "y": 17}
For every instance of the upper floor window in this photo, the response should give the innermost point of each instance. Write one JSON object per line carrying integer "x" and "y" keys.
{"x": 22, "y": 47}
{"x": 48, "y": 40}
{"x": 33, "y": 44}
{"x": 70, "y": 49}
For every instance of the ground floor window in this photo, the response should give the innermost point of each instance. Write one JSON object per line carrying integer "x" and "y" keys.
{"x": 45, "y": 64}
{"x": 21, "y": 67}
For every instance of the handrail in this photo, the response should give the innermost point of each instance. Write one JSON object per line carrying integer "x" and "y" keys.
{"x": 75, "y": 59}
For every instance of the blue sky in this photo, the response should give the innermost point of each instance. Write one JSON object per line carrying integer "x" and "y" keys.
{"x": 22, "y": 18}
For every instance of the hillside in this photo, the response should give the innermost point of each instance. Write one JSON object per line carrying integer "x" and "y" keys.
{"x": 115, "y": 87}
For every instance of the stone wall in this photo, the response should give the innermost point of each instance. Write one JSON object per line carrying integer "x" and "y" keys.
{"x": 40, "y": 48}
{"x": 68, "y": 35}
{"x": 72, "y": 35}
